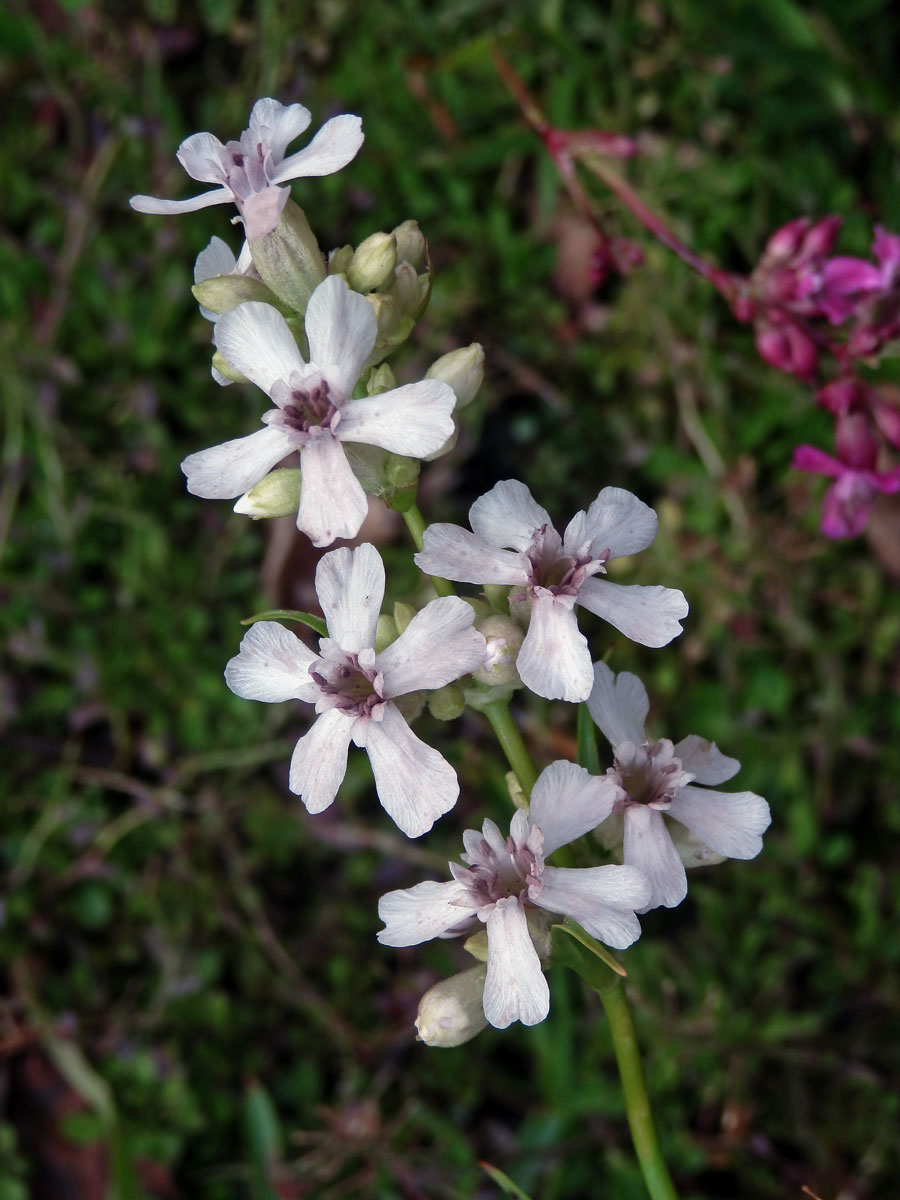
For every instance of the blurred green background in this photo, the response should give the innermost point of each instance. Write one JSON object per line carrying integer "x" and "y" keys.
{"x": 194, "y": 1003}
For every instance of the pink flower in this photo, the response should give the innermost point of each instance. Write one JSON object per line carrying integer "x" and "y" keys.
{"x": 354, "y": 689}
{"x": 514, "y": 543}
{"x": 508, "y": 887}
{"x": 655, "y": 784}
{"x": 249, "y": 171}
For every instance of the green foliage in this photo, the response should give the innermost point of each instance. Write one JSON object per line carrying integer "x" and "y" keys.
{"x": 202, "y": 950}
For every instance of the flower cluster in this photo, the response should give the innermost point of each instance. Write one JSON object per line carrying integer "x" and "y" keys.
{"x": 313, "y": 337}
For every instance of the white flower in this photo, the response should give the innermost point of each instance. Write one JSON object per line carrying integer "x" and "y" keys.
{"x": 248, "y": 172}
{"x": 315, "y": 410}
{"x": 506, "y": 881}
{"x": 515, "y": 543}
{"x": 656, "y": 782}
{"x": 353, "y": 688}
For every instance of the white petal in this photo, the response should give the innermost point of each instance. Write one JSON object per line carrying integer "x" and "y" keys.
{"x": 157, "y": 207}
{"x": 508, "y": 515}
{"x": 341, "y": 327}
{"x": 262, "y": 211}
{"x": 319, "y": 761}
{"x": 336, "y": 144}
{"x": 515, "y": 988}
{"x": 438, "y": 645}
{"x": 619, "y": 706}
{"x": 617, "y": 521}
{"x": 203, "y": 157}
{"x": 277, "y": 124}
{"x": 567, "y": 801}
{"x": 603, "y": 900}
{"x": 649, "y": 615}
{"x": 418, "y": 914}
{"x": 731, "y": 823}
{"x": 414, "y": 783}
{"x": 554, "y": 660}
{"x": 451, "y": 552}
{"x": 350, "y": 587}
{"x": 705, "y": 760}
{"x": 227, "y": 471}
{"x": 332, "y": 501}
{"x": 271, "y": 665}
{"x": 648, "y": 847}
{"x": 415, "y": 419}
{"x": 254, "y": 338}
{"x": 216, "y": 259}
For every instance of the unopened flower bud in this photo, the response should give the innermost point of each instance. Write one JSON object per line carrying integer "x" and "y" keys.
{"x": 224, "y": 367}
{"x": 786, "y": 241}
{"x": 407, "y": 290}
{"x": 447, "y": 703}
{"x": 452, "y": 1012}
{"x": 373, "y": 262}
{"x": 289, "y": 260}
{"x": 403, "y": 614}
{"x": 386, "y": 631}
{"x": 787, "y": 348}
{"x": 222, "y": 293}
{"x": 855, "y": 442}
{"x": 339, "y": 260}
{"x": 887, "y": 418}
{"x": 503, "y": 638}
{"x": 463, "y": 370}
{"x": 842, "y": 395}
{"x": 276, "y": 495}
{"x": 381, "y": 379}
{"x": 820, "y": 239}
{"x": 410, "y": 244}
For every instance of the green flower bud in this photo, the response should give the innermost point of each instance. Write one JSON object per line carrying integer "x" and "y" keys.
{"x": 410, "y": 705}
{"x": 477, "y": 945}
{"x": 386, "y": 631}
{"x": 289, "y": 260}
{"x": 497, "y": 595}
{"x": 463, "y": 369}
{"x": 222, "y": 365}
{"x": 381, "y": 379}
{"x": 452, "y": 1012}
{"x": 276, "y": 495}
{"x": 411, "y": 244}
{"x": 403, "y": 614}
{"x": 391, "y": 477}
{"x": 504, "y": 639}
{"x": 339, "y": 260}
{"x": 222, "y": 293}
{"x": 446, "y": 703}
{"x": 372, "y": 265}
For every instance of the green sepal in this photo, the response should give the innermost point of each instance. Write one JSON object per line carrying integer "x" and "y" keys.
{"x": 577, "y": 950}
{"x": 222, "y": 293}
{"x": 224, "y": 367}
{"x": 393, "y": 478}
{"x": 289, "y": 260}
{"x": 289, "y": 614}
{"x": 477, "y": 945}
{"x": 588, "y": 756}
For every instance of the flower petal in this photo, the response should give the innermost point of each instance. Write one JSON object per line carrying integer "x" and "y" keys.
{"x": 157, "y": 207}
{"x": 332, "y": 501}
{"x": 705, "y": 760}
{"x": 277, "y": 124}
{"x": 515, "y": 988}
{"x": 415, "y": 784}
{"x": 227, "y": 471}
{"x": 567, "y": 801}
{"x": 648, "y": 615}
{"x": 350, "y": 587}
{"x": 254, "y": 338}
{"x": 617, "y": 521}
{"x": 451, "y": 552}
{"x": 554, "y": 660}
{"x": 415, "y": 419}
{"x": 341, "y": 327}
{"x": 336, "y": 144}
{"x": 418, "y": 914}
{"x": 619, "y": 706}
{"x": 508, "y": 515}
{"x": 731, "y": 823}
{"x": 272, "y": 664}
{"x": 203, "y": 157}
{"x": 603, "y": 900}
{"x": 438, "y": 645}
{"x": 216, "y": 259}
{"x": 648, "y": 847}
{"x": 319, "y": 761}
{"x": 262, "y": 211}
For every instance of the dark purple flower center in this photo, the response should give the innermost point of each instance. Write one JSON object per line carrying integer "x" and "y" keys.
{"x": 309, "y": 407}
{"x": 354, "y": 687}
{"x": 648, "y": 774}
{"x": 551, "y": 568}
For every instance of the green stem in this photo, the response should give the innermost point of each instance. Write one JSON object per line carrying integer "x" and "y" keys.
{"x": 637, "y": 1102}
{"x": 415, "y": 523}
{"x": 509, "y": 737}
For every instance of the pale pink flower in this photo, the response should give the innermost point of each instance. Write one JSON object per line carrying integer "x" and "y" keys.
{"x": 248, "y": 172}
{"x": 315, "y": 411}
{"x": 507, "y": 886}
{"x": 514, "y": 543}
{"x": 354, "y": 689}
{"x": 655, "y": 781}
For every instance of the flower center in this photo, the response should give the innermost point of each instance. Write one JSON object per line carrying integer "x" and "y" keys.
{"x": 347, "y": 684}
{"x": 499, "y": 867}
{"x": 309, "y": 407}
{"x": 649, "y": 774}
{"x": 560, "y": 573}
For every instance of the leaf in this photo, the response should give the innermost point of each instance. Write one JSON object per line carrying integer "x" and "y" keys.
{"x": 290, "y": 614}
{"x": 504, "y": 1181}
{"x": 264, "y": 1139}
{"x": 588, "y": 756}
{"x": 577, "y": 950}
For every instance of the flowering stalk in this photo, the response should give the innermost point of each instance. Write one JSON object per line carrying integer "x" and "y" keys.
{"x": 512, "y": 744}
{"x": 415, "y": 523}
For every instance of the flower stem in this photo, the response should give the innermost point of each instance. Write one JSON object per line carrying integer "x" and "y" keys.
{"x": 637, "y": 1102}
{"x": 509, "y": 737}
{"x": 415, "y": 523}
